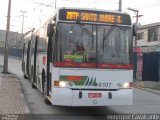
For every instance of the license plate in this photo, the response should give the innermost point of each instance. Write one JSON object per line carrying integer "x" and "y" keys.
{"x": 94, "y": 95}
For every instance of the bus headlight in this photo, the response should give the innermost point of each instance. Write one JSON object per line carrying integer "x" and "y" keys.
{"x": 62, "y": 84}
{"x": 125, "y": 85}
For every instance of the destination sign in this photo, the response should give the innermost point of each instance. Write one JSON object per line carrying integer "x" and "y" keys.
{"x": 94, "y": 16}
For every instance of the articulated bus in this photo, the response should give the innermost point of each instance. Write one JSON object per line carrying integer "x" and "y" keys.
{"x": 82, "y": 57}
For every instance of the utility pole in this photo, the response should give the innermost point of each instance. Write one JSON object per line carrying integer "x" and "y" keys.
{"x": 135, "y": 42}
{"x": 137, "y": 16}
{"x": 120, "y": 5}
{"x": 23, "y": 12}
{"x": 5, "y": 67}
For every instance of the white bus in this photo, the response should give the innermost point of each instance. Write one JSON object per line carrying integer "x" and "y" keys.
{"x": 82, "y": 57}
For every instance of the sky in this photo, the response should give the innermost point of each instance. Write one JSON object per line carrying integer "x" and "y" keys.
{"x": 38, "y": 11}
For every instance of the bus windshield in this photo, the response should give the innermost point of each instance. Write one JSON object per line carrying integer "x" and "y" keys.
{"x": 99, "y": 44}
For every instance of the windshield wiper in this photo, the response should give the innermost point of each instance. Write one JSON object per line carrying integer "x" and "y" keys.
{"x": 105, "y": 36}
{"x": 90, "y": 34}
{"x": 92, "y": 38}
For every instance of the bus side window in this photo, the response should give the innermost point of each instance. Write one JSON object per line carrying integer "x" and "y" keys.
{"x": 25, "y": 48}
{"x": 32, "y": 45}
{"x": 51, "y": 45}
{"x": 41, "y": 45}
{"x": 28, "y": 56}
{"x": 23, "y": 57}
{"x": 50, "y": 35}
{"x": 23, "y": 52}
{"x": 54, "y": 46}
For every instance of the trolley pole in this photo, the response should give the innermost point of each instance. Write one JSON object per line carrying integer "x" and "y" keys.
{"x": 5, "y": 67}
{"x": 55, "y": 4}
{"x": 120, "y": 5}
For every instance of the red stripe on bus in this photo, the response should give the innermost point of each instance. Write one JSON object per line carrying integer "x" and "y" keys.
{"x": 93, "y": 65}
{"x": 73, "y": 77}
{"x": 74, "y": 64}
{"x": 127, "y": 66}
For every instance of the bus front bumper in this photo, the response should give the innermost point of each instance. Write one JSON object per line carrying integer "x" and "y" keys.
{"x": 69, "y": 97}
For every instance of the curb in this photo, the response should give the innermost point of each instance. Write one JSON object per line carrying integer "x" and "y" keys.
{"x": 149, "y": 90}
{"x": 141, "y": 85}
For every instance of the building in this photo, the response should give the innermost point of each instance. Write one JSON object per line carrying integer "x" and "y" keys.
{"x": 148, "y": 39}
{"x": 15, "y": 39}
{"x": 148, "y": 42}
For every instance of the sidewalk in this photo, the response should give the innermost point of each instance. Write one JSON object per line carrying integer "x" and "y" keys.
{"x": 12, "y": 100}
{"x": 150, "y": 86}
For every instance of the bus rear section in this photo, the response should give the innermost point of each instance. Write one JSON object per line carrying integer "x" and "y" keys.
{"x": 91, "y": 87}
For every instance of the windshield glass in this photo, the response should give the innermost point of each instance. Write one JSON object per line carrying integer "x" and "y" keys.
{"x": 84, "y": 43}
{"x": 76, "y": 42}
{"x": 114, "y": 44}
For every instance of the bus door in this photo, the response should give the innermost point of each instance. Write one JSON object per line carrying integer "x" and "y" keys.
{"x": 34, "y": 63}
{"x": 49, "y": 60}
{"x": 25, "y": 60}
{"x": 50, "y": 35}
{"x": 28, "y": 59}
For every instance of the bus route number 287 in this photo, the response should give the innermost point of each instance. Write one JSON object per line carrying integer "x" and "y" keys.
{"x": 104, "y": 84}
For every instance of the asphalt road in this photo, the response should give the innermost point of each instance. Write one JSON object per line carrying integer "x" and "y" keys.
{"x": 144, "y": 102}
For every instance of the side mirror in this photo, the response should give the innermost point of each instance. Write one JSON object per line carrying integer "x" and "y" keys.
{"x": 50, "y": 29}
{"x": 134, "y": 29}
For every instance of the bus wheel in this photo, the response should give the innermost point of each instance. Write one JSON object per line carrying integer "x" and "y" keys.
{"x": 25, "y": 77}
{"x": 43, "y": 81}
{"x": 33, "y": 86}
{"x": 32, "y": 78}
{"x": 47, "y": 101}
{"x": 31, "y": 75}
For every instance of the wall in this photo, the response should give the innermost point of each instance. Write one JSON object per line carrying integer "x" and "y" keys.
{"x": 12, "y": 52}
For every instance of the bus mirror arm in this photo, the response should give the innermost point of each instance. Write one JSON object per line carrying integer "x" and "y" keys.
{"x": 50, "y": 29}
{"x": 78, "y": 21}
{"x": 135, "y": 30}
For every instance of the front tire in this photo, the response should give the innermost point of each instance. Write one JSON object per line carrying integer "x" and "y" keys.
{"x": 43, "y": 81}
{"x": 32, "y": 77}
{"x": 25, "y": 77}
{"x": 34, "y": 86}
{"x": 47, "y": 101}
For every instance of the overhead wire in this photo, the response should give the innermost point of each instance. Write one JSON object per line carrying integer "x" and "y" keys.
{"x": 39, "y": 11}
{"x": 37, "y": 15}
{"x": 92, "y": 3}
